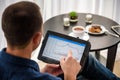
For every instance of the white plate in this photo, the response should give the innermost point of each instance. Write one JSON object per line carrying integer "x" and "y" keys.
{"x": 102, "y": 31}
{"x": 85, "y": 37}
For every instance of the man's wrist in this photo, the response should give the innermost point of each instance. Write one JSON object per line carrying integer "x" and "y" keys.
{"x": 69, "y": 77}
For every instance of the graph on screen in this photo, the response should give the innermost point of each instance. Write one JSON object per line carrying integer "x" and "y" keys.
{"x": 57, "y": 48}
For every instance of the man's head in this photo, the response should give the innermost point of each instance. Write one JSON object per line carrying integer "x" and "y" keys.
{"x": 20, "y": 21}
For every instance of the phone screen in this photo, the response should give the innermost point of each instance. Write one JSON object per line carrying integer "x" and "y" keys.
{"x": 116, "y": 29}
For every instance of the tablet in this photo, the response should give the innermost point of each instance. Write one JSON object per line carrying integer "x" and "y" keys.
{"x": 56, "y": 45}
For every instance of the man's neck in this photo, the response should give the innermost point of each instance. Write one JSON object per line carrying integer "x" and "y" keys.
{"x": 24, "y": 53}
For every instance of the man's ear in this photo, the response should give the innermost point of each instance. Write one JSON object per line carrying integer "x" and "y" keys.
{"x": 36, "y": 39}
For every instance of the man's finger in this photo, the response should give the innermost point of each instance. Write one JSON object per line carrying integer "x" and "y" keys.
{"x": 53, "y": 65}
{"x": 70, "y": 53}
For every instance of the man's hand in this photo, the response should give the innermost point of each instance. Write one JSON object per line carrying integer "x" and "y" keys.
{"x": 70, "y": 67}
{"x": 52, "y": 69}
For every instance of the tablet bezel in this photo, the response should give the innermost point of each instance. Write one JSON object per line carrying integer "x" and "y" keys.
{"x": 53, "y": 61}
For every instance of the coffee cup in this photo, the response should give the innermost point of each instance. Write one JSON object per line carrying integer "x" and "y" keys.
{"x": 78, "y": 31}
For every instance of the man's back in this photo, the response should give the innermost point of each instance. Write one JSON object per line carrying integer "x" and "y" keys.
{"x": 16, "y": 68}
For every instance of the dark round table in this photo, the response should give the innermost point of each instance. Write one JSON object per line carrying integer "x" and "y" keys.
{"x": 98, "y": 43}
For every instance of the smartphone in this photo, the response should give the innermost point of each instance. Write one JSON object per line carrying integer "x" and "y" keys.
{"x": 116, "y": 29}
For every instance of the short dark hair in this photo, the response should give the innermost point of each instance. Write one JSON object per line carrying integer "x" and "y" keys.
{"x": 20, "y": 21}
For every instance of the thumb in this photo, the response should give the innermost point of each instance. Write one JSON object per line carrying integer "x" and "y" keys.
{"x": 62, "y": 60}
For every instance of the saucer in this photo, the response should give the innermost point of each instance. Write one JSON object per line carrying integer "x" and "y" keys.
{"x": 73, "y": 20}
{"x": 85, "y": 37}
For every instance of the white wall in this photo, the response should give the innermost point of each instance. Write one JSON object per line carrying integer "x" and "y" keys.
{"x": 108, "y": 8}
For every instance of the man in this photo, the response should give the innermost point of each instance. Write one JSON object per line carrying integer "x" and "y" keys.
{"x": 22, "y": 27}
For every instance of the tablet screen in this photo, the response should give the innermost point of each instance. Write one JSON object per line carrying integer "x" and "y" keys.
{"x": 58, "y": 47}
